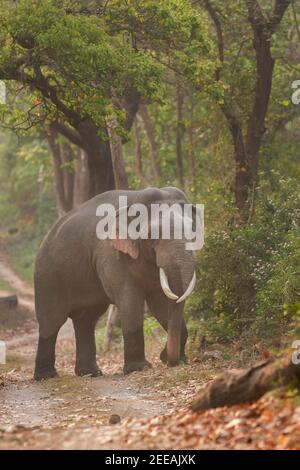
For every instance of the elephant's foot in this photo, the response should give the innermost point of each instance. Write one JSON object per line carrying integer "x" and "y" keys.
{"x": 137, "y": 365}
{"x": 93, "y": 371}
{"x": 44, "y": 374}
{"x": 164, "y": 357}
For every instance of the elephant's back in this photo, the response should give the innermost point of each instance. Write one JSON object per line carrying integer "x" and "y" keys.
{"x": 71, "y": 240}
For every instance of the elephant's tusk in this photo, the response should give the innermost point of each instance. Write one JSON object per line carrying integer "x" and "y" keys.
{"x": 165, "y": 285}
{"x": 189, "y": 289}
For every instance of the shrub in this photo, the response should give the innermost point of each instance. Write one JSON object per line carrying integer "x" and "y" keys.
{"x": 247, "y": 274}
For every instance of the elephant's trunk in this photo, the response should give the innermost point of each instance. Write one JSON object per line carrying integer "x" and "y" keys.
{"x": 174, "y": 333}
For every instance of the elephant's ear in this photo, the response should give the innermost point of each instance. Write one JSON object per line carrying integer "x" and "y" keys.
{"x": 127, "y": 246}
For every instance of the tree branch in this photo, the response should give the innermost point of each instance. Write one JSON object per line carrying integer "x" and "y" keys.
{"x": 279, "y": 10}
{"x": 150, "y": 131}
{"x": 69, "y": 133}
{"x": 218, "y": 27}
{"x": 38, "y": 82}
{"x": 258, "y": 19}
{"x": 262, "y": 31}
{"x": 130, "y": 101}
{"x": 42, "y": 84}
{"x": 214, "y": 16}
{"x": 255, "y": 14}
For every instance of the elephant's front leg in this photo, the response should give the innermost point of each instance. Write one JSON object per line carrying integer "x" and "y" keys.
{"x": 132, "y": 318}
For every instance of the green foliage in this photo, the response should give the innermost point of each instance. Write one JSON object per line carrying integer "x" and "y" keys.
{"x": 26, "y": 198}
{"x": 151, "y": 325}
{"x": 90, "y": 56}
{"x": 248, "y": 274}
{"x": 26, "y": 182}
{"x": 22, "y": 249}
{"x": 89, "y": 61}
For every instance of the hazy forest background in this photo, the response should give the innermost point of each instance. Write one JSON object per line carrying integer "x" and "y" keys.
{"x": 195, "y": 94}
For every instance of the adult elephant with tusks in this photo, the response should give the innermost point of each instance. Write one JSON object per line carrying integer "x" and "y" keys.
{"x": 78, "y": 274}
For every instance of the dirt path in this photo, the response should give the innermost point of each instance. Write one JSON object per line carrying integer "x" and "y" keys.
{"x": 61, "y": 408}
{"x": 149, "y": 408}
{"x": 22, "y": 288}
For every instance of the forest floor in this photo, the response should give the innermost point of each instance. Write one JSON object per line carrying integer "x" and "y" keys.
{"x": 150, "y": 408}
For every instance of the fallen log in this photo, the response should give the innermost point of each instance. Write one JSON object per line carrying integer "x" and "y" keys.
{"x": 9, "y": 301}
{"x": 240, "y": 386}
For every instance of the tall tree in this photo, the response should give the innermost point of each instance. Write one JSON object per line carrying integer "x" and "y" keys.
{"x": 64, "y": 174}
{"x": 86, "y": 64}
{"x": 247, "y": 127}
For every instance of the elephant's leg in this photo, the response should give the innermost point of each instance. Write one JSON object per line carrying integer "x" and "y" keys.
{"x": 158, "y": 306}
{"x": 132, "y": 318}
{"x": 84, "y": 325}
{"x": 45, "y": 358}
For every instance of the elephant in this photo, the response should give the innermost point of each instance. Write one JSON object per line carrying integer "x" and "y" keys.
{"x": 78, "y": 276}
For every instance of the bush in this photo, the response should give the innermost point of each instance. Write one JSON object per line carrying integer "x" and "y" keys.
{"x": 27, "y": 201}
{"x": 247, "y": 274}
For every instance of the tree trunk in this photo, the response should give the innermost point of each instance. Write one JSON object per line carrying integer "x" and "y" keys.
{"x": 139, "y": 156}
{"x": 64, "y": 198}
{"x": 256, "y": 123}
{"x": 191, "y": 154}
{"x": 243, "y": 175}
{"x": 68, "y": 173}
{"x": 240, "y": 386}
{"x": 101, "y": 176}
{"x": 179, "y": 135}
{"x": 247, "y": 147}
{"x": 81, "y": 184}
{"x": 150, "y": 131}
{"x": 117, "y": 156}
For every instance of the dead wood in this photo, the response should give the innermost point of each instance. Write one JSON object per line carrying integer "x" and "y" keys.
{"x": 9, "y": 301}
{"x": 240, "y": 386}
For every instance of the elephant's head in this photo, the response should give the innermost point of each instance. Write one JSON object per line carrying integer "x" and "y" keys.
{"x": 174, "y": 268}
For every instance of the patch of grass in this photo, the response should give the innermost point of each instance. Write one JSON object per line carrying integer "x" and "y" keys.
{"x": 168, "y": 378}
{"x": 152, "y": 331}
{"x": 4, "y": 285}
{"x": 100, "y": 335}
{"x": 183, "y": 374}
{"x": 151, "y": 327}
{"x": 13, "y": 361}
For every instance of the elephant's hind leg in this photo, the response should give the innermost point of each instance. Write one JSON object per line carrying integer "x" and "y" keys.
{"x": 45, "y": 358}
{"x": 84, "y": 325}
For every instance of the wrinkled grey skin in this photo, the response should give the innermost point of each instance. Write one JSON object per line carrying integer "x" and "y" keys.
{"x": 78, "y": 276}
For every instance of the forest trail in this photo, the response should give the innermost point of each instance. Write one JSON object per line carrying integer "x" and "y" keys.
{"x": 52, "y": 408}
{"x": 145, "y": 410}
{"x": 22, "y": 288}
